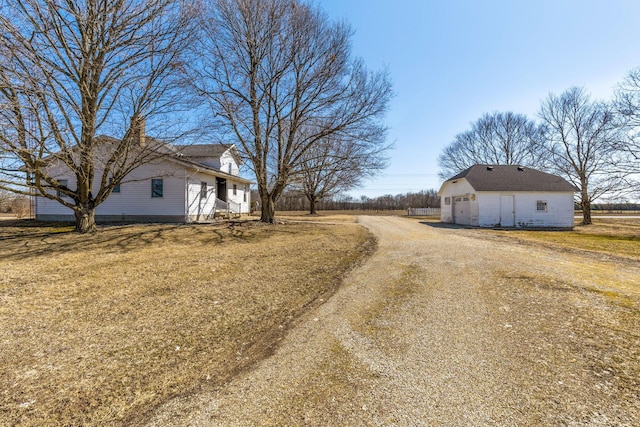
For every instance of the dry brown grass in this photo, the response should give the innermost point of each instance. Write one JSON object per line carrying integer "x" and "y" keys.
{"x": 101, "y": 329}
{"x": 619, "y": 237}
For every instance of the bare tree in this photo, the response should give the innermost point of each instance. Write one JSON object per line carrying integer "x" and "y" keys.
{"x": 280, "y": 78}
{"x": 71, "y": 69}
{"x": 335, "y": 165}
{"x": 497, "y": 138}
{"x": 582, "y": 139}
{"x": 627, "y": 104}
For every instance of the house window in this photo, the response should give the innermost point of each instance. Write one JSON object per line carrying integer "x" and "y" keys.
{"x": 203, "y": 190}
{"x": 447, "y": 200}
{"x": 541, "y": 206}
{"x": 116, "y": 188}
{"x": 62, "y": 183}
{"x": 235, "y": 189}
{"x": 156, "y": 188}
{"x": 244, "y": 195}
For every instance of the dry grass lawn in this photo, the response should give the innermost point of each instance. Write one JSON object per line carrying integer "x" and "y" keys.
{"x": 101, "y": 329}
{"x": 619, "y": 237}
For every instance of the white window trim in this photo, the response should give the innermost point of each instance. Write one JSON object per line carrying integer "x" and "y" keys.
{"x": 540, "y": 203}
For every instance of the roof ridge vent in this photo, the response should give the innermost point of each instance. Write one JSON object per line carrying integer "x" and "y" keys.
{"x": 521, "y": 168}
{"x": 489, "y": 168}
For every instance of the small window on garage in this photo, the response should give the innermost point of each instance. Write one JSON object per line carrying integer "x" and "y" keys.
{"x": 541, "y": 206}
{"x": 447, "y": 200}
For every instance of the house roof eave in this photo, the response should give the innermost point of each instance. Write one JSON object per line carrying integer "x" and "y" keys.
{"x": 189, "y": 164}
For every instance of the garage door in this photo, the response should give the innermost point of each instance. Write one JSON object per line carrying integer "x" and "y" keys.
{"x": 461, "y": 210}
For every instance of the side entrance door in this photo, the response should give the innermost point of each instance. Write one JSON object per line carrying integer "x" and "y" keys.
{"x": 461, "y": 210}
{"x": 221, "y": 189}
{"x": 507, "y": 211}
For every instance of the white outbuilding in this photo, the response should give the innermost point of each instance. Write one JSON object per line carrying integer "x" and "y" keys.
{"x": 507, "y": 196}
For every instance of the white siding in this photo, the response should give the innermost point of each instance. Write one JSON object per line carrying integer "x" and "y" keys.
{"x": 135, "y": 193}
{"x": 228, "y": 163}
{"x": 559, "y": 211}
{"x": 239, "y": 196}
{"x": 485, "y": 206}
{"x": 452, "y": 190}
{"x": 489, "y": 208}
{"x": 200, "y": 208}
{"x": 134, "y": 198}
{"x": 52, "y": 207}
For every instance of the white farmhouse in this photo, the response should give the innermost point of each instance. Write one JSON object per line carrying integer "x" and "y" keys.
{"x": 189, "y": 184}
{"x": 507, "y": 196}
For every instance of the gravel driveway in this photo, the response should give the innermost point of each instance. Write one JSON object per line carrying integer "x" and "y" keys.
{"x": 447, "y": 326}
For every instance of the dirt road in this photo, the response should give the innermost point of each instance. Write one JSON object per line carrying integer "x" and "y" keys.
{"x": 449, "y": 326}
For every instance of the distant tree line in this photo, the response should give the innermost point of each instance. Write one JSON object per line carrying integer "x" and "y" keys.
{"x": 616, "y": 207}
{"x": 294, "y": 200}
{"x": 15, "y": 204}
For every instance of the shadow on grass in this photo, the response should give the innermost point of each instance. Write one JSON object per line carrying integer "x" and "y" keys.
{"x": 446, "y": 225}
{"x": 21, "y": 239}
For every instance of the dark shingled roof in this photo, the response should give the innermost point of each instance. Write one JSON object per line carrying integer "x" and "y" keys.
{"x": 202, "y": 150}
{"x": 512, "y": 178}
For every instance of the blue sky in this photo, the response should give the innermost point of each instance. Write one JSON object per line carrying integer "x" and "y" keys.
{"x": 452, "y": 61}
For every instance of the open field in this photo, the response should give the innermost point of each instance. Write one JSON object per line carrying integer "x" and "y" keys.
{"x": 100, "y": 329}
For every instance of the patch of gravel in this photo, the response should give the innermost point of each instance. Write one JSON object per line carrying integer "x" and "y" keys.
{"x": 442, "y": 327}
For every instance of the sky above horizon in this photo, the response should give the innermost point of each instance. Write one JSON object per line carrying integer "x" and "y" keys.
{"x": 452, "y": 61}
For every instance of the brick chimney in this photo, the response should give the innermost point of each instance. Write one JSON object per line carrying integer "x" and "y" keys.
{"x": 138, "y": 131}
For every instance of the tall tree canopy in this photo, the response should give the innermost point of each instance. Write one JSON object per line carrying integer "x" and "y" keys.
{"x": 334, "y": 165}
{"x": 582, "y": 140}
{"x": 280, "y": 78}
{"x": 627, "y": 103}
{"x": 70, "y": 69}
{"x": 497, "y": 138}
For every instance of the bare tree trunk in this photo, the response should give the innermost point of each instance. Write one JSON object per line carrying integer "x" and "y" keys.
{"x": 582, "y": 138}
{"x": 312, "y": 205}
{"x": 268, "y": 209}
{"x": 85, "y": 220}
{"x": 585, "y": 203}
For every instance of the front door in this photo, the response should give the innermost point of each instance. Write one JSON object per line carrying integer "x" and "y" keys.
{"x": 507, "y": 211}
{"x": 221, "y": 189}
